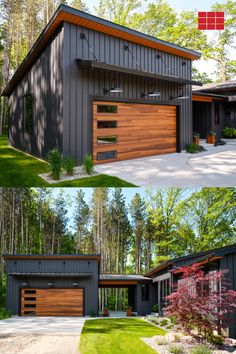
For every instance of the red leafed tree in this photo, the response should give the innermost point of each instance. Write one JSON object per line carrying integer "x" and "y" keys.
{"x": 202, "y": 301}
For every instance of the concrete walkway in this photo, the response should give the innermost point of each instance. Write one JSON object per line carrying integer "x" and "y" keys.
{"x": 42, "y": 325}
{"x": 214, "y": 167}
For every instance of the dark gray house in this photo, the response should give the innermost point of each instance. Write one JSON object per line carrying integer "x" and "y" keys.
{"x": 216, "y": 259}
{"x": 214, "y": 108}
{"x": 68, "y": 285}
{"x": 91, "y": 86}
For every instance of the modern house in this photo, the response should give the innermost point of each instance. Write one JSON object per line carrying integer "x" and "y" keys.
{"x": 214, "y": 108}
{"x": 90, "y": 86}
{"x": 66, "y": 285}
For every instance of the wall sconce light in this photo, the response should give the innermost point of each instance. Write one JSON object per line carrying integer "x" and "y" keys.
{"x": 50, "y": 284}
{"x": 24, "y": 284}
{"x": 153, "y": 93}
{"x": 75, "y": 284}
{"x": 179, "y": 97}
{"x": 114, "y": 88}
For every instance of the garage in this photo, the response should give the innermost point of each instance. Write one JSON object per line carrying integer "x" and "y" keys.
{"x": 123, "y": 131}
{"x": 52, "y": 302}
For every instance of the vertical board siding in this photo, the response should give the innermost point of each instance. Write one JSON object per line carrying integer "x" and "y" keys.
{"x": 44, "y": 82}
{"x": 90, "y": 284}
{"x": 80, "y": 86}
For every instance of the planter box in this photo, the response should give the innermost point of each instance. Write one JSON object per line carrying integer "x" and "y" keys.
{"x": 211, "y": 139}
{"x": 196, "y": 140}
{"x": 129, "y": 311}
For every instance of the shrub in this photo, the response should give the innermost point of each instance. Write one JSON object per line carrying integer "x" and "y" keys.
{"x": 164, "y": 323}
{"x": 212, "y": 133}
{"x": 216, "y": 340}
{"x": 176, "y": 349}
{"x": 69, "y": 165}
{"x": 194, "y": 148}
{"x": 4, "y": 313}
{"x": 55, "y": 161}
{"x": 161, "y": 341}
{"x": 155, "y": 308}
{"x": 201, "y": 349}
{"x": 229, "y": 133}
{"x": 88, "y": 164}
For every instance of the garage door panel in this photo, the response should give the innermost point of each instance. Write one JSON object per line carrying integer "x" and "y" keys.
{"x": 52, "y": 302}
{"x": 142, "y": 130}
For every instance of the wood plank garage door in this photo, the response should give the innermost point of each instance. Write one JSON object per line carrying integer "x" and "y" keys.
{"x": 124, "y": 131}
{"x": 52, "y": 302}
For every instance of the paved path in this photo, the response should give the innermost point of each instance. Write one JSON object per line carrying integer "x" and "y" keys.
{"x": 42, "y": 325}
{"x": 215, "y": 167}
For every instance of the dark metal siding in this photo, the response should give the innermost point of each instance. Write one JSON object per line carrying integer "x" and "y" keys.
{"x": 90, "y": 284}
{"x": 229, "y": 262}
{"x": 80, "y": 86}
{"x": 44, "y": 81}
{"x": 202, "y": 116}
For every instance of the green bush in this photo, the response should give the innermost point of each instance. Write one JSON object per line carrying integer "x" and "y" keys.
{"x": 164, "y": 323}
{"x": 155, "y": 308}
{"x": 55, "y": 161}
{"x": 69, "y": 165}
{"x": 4, "y": 313}
{"x": 229, "y": 133}
{"x": 201, "y": 349}
{"x": 216, "y": 340}
{"x": 88, "y": 164}
{"x": 194, "y": 148}
{"x": 176, "y": 349}
{"x": 173, "y": 320}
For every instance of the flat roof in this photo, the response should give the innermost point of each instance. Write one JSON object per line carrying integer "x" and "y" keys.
{"x": 65, "y": 13}
{"x": 54, "y": 256}
{"x": 51, "y": 274}
{"x": 123, "y": 277}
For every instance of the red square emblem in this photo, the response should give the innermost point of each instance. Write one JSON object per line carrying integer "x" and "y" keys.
{"x": 211, "y": 20}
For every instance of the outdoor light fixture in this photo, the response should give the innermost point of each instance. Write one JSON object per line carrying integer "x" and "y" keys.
{"x": 153, "y": 93}
{"x": 24, "y": 284}
{"x": 50, "y": 284}
{"x": 180, "y": 97}
{"x": 114, "y": 88}
{"x": 75, "y": 284}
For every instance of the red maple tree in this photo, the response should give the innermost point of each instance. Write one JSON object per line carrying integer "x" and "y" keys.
{"x": 202, "y": 301}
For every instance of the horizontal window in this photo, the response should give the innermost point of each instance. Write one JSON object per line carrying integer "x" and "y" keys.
{"x": 102, "y": 108}
{"x": 107, "y": 139}
{"x": 103, "y": 124}
{"x": 30, "y": 291}
{"x": 106, "y": 155}
{"x": 30, "y": 305}
{"x": 30, "y": 298}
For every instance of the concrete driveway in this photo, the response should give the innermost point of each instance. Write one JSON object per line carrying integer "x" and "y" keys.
{"x": 214, "y": 167}
{"x": 41, "y": 335}
{"x": 42, "y": 325}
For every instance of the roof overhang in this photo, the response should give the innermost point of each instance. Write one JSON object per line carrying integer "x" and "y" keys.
{"x": 200, "y": 262}
{"x": 50, "y": 275}
{"x": 155, "y": 270}
{"x": 52, "y": 257}
{"x": 67, "y": 14}
{"x": 121, "y": 280}
{"x": 207, "y": 97}
{"x": 93, "y": 65}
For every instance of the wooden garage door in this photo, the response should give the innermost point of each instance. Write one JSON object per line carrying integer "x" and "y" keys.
{"x": 52, "y": 302}
{"x": 124, "y": 131}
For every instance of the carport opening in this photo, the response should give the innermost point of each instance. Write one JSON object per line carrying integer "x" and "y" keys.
{"x": 115, "y": 300}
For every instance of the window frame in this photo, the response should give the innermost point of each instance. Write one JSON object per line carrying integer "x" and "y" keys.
{"x": 145, "y": 292}
{"x": 106, "y": 152}
{"x": 104, "y": 120}
{"x": 109, "y": 142}
{"x": 25, "y": 114}
{"x": 107, "y": 105}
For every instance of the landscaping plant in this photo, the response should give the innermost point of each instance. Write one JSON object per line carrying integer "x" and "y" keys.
{"x": 69, "y": 165}
{"x": 229, "y": 133}
{"x": 201, "y": 349}
{"x": 176, "y": 349}
{"x": 88, "y": 164}
{"x": 194, "y": 148}
{"x": 55, "y": 161}
{"x": 202, "y": 301}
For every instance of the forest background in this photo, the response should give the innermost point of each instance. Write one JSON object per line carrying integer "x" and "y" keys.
{"x": 22, "y": 21}
{"x": 131, "y": 237}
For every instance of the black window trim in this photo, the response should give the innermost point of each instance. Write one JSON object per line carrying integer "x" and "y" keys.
{"x": 107, "y": 105}
{"x": 106, "y": 152}
{"x": 24, "y": 113}
{"x": 107, "y": 136}
{"x": 105, "y": 120}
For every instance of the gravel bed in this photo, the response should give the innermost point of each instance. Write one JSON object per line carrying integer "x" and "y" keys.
{"x": 79, "y": 172}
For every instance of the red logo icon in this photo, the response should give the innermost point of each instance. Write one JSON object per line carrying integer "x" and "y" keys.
{"x": 211, "y": 20}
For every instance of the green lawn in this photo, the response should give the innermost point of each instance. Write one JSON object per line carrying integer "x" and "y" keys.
{"x": 21, "y": 170}
{"x": 117, "y": 336}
